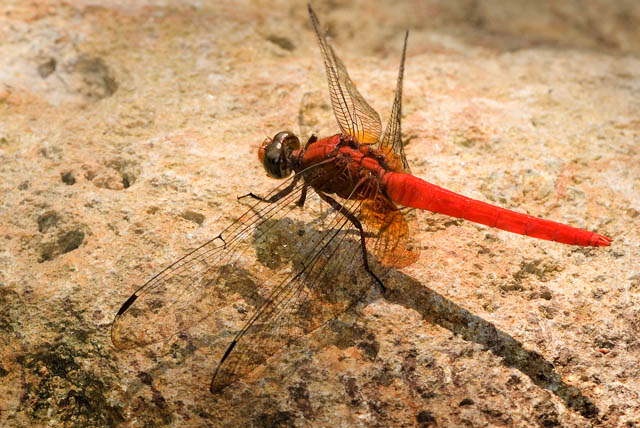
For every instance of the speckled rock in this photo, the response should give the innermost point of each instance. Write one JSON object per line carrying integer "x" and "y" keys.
{"x": 126, "y": 133}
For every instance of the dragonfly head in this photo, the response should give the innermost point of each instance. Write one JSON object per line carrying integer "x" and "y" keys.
{"x": 275, "y": 154}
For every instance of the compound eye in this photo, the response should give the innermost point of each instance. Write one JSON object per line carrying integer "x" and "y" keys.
{"x": 276, "y": 154}
{"x": 288, "y": 140}
{"x": 272, "y": 160}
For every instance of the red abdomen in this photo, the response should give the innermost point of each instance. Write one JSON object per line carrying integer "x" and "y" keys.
{"x": 405, "y": 189}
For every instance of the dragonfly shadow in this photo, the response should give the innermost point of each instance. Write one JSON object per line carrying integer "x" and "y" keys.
{"x": 439, "y": 310}
{"x": 337, "y": 283}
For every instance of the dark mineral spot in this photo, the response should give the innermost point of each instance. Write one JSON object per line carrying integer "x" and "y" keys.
{"x": 633, "y": 213}
{"x": 47, "y": 221}
{"x": 193, "y": 216}
{"x": 59, "y": 361}
{"x": 158, "y": 399}
{"x": 426, "y": 419}
{"x": 466, "y": 402}
{"x": 283, "y": 42}
{"x": 70, "y": 240}
{"x": 351, "y": 387}
{"x": 68, "y": 178}
{"x": 546, "y": 414}
{"x": 492, "y": 412}
{"x": 300, "y": 396}
{"x": 47, "y": 252}
{"x": 145, "y": 378}
{"x": 513, "y": 380}
{"x": 545, "y": 293}
{"x": 604, "y": 342}
{"x": 543, "y": 270}
{"x": 80, "y": 336}
{"x": 50, "y": 152}
{"x": 346, "y": 334}
{"x": 128, "y": 170}
{"x": 47, "y": 67}
{"x": 370, "y": 348}
{"x": 57, "y": 384}
{"x": 278, "y": 419}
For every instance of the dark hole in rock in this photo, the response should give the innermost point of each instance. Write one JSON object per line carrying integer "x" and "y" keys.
{"x": 47, "y": 252}
{"x": 283, "y": 42}
{"x": 70, "y": 240}
{"x": 193, "y": 216}
{"x": 466, "y": 402}
{"x": 426, "y": 419}
{"x": 370, "y": 349}
{"x": 50, "y": 152}
{"x": 47, "y": 67}
{"x": 47, "y": 220}
{"x": 68, "y": 178}
{"x": 277, "y": 419}
{"x": 128, "y": 169}
{"x": 145, "y": 378}
{"x": 97, "y": 81}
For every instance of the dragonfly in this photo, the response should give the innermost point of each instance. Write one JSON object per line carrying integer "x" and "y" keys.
{"x": 290, "y": 267}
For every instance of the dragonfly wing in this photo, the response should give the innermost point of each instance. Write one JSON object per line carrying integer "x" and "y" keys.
{"x": 309, "y": 270}
{"x": 388, "y": 231}
{"x": 328, "y": 279}
{"x": 355, "y": 117}
{"x": 391, "y": 142}
{"x": 216, "y": 273}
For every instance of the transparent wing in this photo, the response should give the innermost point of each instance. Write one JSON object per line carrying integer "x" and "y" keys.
{"x": 293, "y": 268}
{"x": 391, "y": 141}
{"x": 355, "y": 117}
{"x": 220, "y": 271}
{"x": 328, "y": 280}
{"x": 390, "y": 239}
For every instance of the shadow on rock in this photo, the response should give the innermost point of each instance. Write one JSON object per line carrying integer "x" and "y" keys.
{"x": 437, "y": 309}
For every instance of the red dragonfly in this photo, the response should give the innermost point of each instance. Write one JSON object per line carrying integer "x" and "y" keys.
{"x": 318, "y": 264}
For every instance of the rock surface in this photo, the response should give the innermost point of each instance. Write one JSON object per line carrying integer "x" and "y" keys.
{"x": 126, "y": 133}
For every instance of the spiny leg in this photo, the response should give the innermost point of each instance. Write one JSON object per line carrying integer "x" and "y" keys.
{"x": 281, "y": 194}
{"x": 349, "y": 215}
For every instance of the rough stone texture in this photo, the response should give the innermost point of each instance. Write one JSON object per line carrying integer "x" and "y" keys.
{"x": 126, "y": 133}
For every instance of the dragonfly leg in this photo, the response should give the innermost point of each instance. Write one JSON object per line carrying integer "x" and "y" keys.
{"x": 349, "y": 215}
{"x": 281, "y": 194}
{"x": 303, "y": 196}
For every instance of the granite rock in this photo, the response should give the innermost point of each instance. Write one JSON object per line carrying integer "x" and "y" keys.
{"x": 127, "y": 131}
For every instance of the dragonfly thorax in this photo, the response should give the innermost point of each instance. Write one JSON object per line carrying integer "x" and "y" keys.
{"x": 276, "y": 154}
